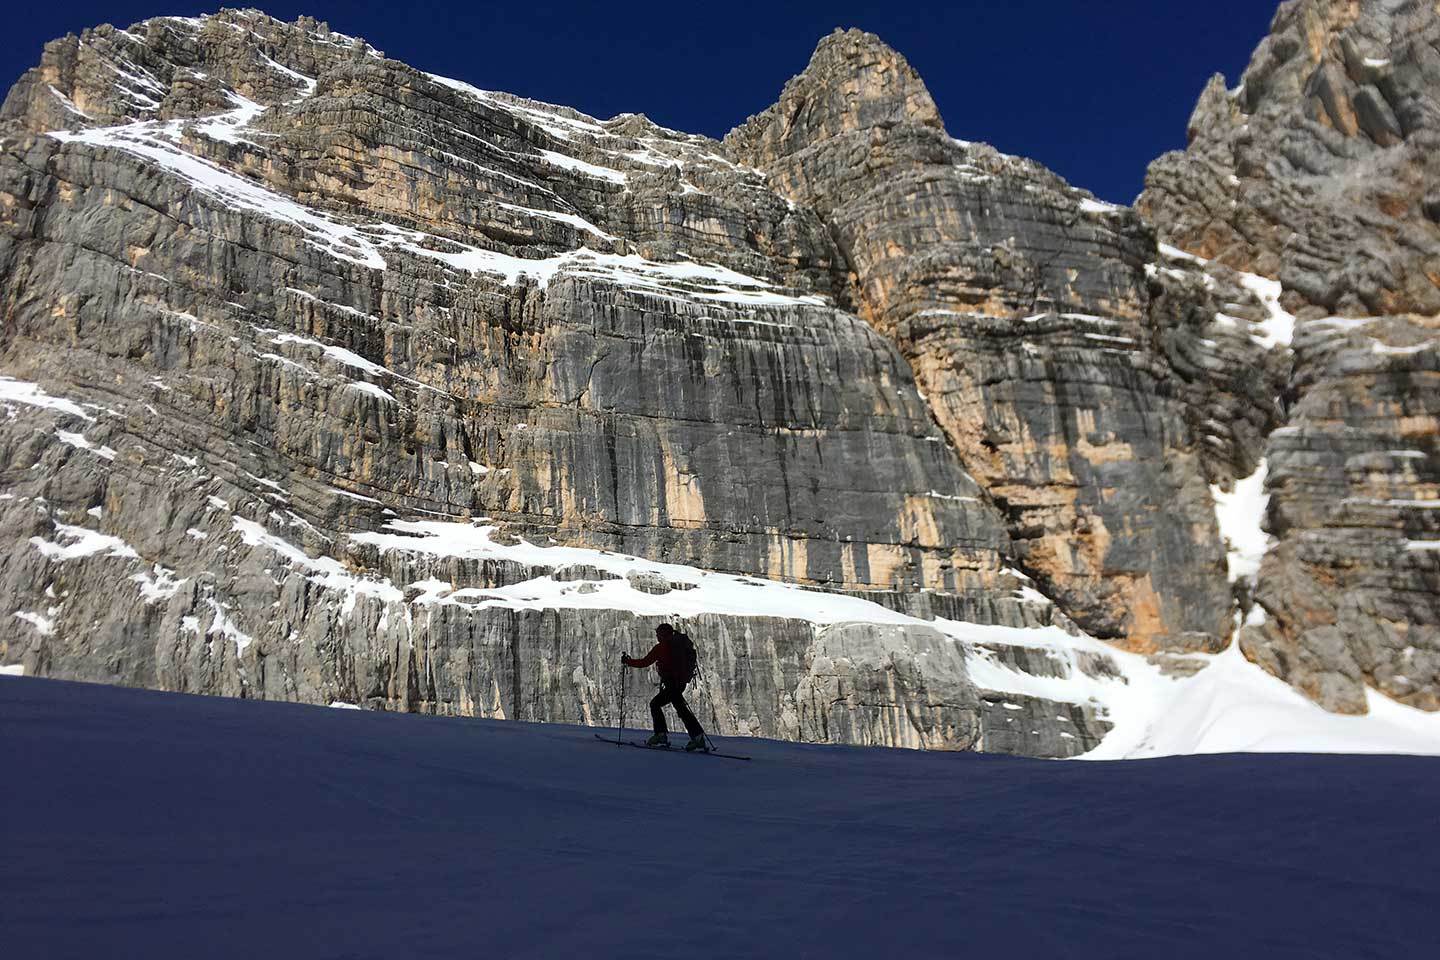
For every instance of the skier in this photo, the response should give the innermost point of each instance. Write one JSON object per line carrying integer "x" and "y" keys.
{"x": 674, "y": 658}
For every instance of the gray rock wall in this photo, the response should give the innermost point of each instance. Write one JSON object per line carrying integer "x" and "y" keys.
{"x": 1318, "y": 170}
{"x": 1319, "y": 167}
{"x": 1349, "y": 597}
{"x": 1025, "y": 309}
{"x": 267, "y": 296}
{"x": 266, "y": 330}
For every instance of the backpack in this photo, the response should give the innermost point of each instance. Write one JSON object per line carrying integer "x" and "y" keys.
{"x": 687, "y": 664}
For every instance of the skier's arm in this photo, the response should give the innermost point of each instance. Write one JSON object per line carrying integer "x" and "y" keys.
{"x": 646, "y": 660}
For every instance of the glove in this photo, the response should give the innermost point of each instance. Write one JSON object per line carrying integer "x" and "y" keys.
{"x": 625, "y": 659}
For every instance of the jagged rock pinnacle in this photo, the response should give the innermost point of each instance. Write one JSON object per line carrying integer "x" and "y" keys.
{"x": 854, "y": 81}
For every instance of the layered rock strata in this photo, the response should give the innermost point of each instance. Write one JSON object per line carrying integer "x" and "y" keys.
{"x": 1038, "y": 328}
{"x": 1318, "y": 171}
{"x": 326, "y": 379}
{"x": 267, "y": 293}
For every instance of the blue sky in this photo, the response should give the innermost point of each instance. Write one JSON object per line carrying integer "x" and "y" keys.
{"x": 1093, "y": 90}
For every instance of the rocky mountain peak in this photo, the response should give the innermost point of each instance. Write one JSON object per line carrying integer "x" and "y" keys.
{"x": 1319, "y": 170}
{"x": 1320, "y": 167}
{"x": 854, "y": 81}
{"x": 1216, "y": 106}
{"x": 172, "y": 68}
{"x": 987, "y": 246}
{"x": 1348, "y": 66}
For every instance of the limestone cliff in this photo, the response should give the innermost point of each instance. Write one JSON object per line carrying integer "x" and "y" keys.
{"x": 269, "y": 297}
{"x": 1319, "y": 171}
{"x": 1030, "y": 315}
{"x": 326, "y": 379}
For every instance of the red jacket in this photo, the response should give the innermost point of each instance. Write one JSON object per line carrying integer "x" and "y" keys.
{"x": 667, "y": 661}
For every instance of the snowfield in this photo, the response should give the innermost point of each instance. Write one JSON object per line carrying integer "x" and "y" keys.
{"x": 148, "y": 824}
{"x": 1233, "y": 706}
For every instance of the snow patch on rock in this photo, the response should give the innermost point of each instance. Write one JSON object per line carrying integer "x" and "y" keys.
{"x": 43, "y": 625}
{"x": 73, "y": 543}
{"x": 14, "y": 391}
{"x": 1241, "y": 515}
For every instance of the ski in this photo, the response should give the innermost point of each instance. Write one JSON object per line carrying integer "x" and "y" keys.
{"x": 643, "y": 746}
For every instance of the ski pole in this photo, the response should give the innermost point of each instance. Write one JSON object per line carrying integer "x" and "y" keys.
{"x": 701, "y": 685}
{"x": 710, "y": 700}
{"x": 620, "y": 735}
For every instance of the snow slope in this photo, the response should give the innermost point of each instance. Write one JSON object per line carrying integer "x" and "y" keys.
{"x": 1233, "y": 706}
{"x": 147, "y": 824}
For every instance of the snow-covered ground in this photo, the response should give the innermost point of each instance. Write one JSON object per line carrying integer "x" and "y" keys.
{"x": 1233, "y": 706}
{"x": 146, "y": 824}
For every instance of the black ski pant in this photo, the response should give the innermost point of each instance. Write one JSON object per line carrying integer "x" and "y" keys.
{"x": 675, "y": 698}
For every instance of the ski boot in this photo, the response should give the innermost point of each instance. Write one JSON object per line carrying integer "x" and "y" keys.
{"x": 697, "y": 743}
{"x": 658, "y": 740}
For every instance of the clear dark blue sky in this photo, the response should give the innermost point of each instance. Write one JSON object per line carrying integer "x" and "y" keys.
{"x": 1093, "y": 90}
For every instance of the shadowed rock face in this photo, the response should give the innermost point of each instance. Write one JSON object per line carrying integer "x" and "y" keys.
{"x": 265, "y": 292}
{"x": 1025, "y": 309}
{"x": 1320, "y": 170}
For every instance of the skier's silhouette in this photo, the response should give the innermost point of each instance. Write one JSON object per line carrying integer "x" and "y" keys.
{"x": 674, "y": 659}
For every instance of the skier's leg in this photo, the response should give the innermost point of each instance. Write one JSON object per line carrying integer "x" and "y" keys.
{"x": 657, "y": 709}
{"x": 682, "y": 710}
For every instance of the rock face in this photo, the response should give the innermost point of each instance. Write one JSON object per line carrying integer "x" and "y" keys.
{"x": 325, "y": 379}
{"x": 1319, "y": 170}
{"x": 1025, "y": 308}
{"x": 268, "y": 296}
{"x": 1350, "y": 594}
